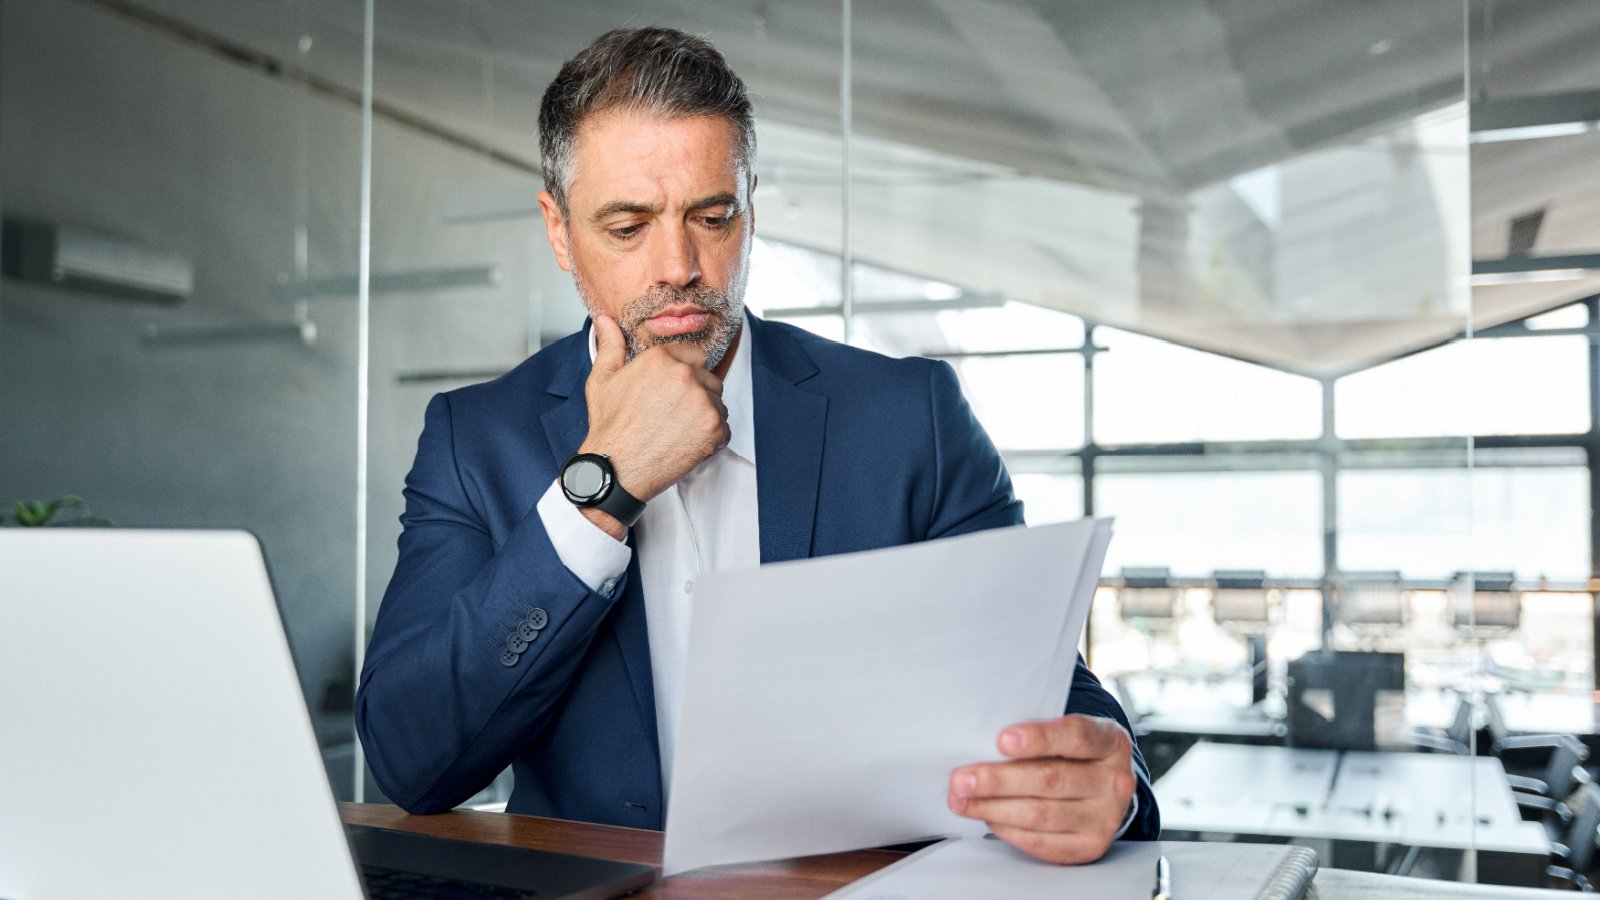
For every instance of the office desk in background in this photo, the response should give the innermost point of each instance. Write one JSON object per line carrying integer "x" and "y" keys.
{"x": 1354, "y": 798}
{"x": 808, "y": 878}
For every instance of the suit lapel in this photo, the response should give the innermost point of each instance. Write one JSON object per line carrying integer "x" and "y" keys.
{"x": 789, "y": 424}
{"x": 565, "y": 426}
{"x": 566, "y": 423}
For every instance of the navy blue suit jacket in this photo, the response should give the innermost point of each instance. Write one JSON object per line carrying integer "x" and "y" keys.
{"x": 854, "y": 451}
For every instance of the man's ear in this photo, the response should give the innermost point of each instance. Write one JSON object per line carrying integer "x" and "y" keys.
{"x": 555, "y": 228}
{"x": 752, "y": 203}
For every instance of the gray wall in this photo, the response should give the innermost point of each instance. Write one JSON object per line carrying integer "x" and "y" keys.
{"x": 115, "y": 125}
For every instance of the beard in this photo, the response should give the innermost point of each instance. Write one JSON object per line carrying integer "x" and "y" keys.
{"x": 723, "y": 311}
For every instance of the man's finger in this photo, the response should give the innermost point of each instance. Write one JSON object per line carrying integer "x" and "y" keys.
{"x": 1069, "y": 848}
{"x": 688, "y": 354}
{"x": 1034, "y": 815}
{"x": 1071, "y": 737}
{"x": 1055, "y": 778}
{"x": 610, "y": 349}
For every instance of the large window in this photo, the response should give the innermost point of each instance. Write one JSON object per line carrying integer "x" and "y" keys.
{"x": 1524, "y": 385}
{"x": 1196, "y": 523}
{"x": 1432, "y": 523}
{"x": 1153, "y": 391}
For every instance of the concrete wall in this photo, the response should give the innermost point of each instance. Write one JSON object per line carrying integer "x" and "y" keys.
{"x": 112, "y": 124}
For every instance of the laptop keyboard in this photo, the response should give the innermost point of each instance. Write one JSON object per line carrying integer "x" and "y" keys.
{"x": 391, "y": 884}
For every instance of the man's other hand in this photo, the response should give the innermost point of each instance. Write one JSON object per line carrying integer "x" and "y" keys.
{"x": 656, "y": 417}
{"x": 1064, "y": 794}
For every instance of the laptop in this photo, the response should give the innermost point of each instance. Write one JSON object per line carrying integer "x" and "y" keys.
{"x": 154, "y": 742}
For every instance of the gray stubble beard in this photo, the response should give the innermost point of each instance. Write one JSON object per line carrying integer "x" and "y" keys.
{"x": 724, "y": 309}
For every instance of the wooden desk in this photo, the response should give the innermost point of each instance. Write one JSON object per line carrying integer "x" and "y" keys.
{"x": 797, "y": 879}
{"x": 808, "y": 878}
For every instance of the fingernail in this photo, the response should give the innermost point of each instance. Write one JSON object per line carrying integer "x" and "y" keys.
{"x": 966, "y": 783}
{"x": 1010, "y": 742}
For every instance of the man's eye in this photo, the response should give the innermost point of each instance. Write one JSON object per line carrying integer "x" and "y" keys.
{"x": 626, "y": 231}
{"x": 716, "y": 221}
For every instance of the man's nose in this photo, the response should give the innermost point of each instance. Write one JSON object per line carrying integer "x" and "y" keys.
{"x": 677, "y": 262}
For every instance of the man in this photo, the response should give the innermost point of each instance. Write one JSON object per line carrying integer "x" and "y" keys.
{"x": 527, "y": 624}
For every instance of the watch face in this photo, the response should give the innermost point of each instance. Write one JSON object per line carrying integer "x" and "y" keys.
{"x": 584, "y": 478}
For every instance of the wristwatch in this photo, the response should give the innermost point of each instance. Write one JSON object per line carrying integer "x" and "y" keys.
{"x": 590, "y": 482}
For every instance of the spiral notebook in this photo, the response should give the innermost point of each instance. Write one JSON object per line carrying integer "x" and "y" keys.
{"x": 969, "y": 867}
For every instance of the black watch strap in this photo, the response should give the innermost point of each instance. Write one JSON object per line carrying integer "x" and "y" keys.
{"x": 589, "y": 480}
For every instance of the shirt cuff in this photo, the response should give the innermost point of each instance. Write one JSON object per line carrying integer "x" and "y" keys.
{"x": 1133, "y": 802}
{"x": 1133, "y": 810}
{"x": 596, "y": 558}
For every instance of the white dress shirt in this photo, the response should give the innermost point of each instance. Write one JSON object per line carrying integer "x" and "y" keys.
{"x": 706, "y": 522}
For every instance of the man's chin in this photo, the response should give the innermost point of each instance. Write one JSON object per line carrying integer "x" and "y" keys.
{"x": 644, "y": 339}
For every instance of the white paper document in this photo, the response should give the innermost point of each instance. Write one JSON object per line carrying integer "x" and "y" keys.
{"x": 827, "y": 701}
{"x": 963, "y": 868}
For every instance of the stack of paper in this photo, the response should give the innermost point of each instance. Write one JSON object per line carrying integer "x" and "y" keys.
{"x": 962, "y": 868}
{"x": 827, "y": 701}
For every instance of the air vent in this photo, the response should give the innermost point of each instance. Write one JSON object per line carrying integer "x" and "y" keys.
{"x": 90, "y": 260}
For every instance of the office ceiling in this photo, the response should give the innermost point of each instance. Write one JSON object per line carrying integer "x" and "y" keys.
{"x": 1286, "y": 183}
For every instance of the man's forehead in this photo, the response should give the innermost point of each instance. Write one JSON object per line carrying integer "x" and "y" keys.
{"x": 628, "y": 154}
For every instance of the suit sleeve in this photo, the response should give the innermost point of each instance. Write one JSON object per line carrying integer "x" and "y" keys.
{"x": 450, "y": 693}
{"x": 973, "y": 493}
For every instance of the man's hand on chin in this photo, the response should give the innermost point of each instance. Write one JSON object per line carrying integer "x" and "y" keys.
{"x": 1064, "y": 794}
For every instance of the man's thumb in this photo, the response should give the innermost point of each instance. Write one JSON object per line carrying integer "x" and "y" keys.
{"x": 610, "y": 350}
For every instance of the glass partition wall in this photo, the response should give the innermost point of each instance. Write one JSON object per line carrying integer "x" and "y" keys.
{"x": 1303, "y": 297}
{"x": 178, "y": 315}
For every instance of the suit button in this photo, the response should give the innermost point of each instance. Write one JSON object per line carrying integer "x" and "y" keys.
{"x": 516, "y": 644}
{"x": 509, "y": 657}
{"x": 538, "y": 619}
{"x": 527, "y": 631}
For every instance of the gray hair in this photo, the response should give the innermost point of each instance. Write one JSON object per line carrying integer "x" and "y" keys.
{"x": 660, "y": 71}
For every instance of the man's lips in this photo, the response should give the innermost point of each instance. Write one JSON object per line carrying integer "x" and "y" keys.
{"x": 681, "y": 319}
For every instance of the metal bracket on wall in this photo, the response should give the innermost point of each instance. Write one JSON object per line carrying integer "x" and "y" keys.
{"x": 413, "y": 282}
{"x": 300, "y": 329}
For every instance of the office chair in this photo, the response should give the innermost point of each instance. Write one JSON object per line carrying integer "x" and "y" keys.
{"x": 1502, "y": 741}
{"x": 1550, "y": 807}
{"x": 1351, "y": 682}
{"x": 1576, "y": 849}
{"x": 1485, "y": 604}
{"x": 1240, "y": 601}
{"x": 1148, "y": 598}
{"x": 1372, "y": 605}
{"x": 1561, "y": 773}
{"x": 1454, "y": 738}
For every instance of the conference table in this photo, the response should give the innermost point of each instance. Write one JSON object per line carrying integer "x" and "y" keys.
{"x": 805, "y": 878}
{"x": 1358, "y": 801}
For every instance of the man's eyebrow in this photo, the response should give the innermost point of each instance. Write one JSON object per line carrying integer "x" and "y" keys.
{"x": 727, "y": 199}
{"x": 623, "y": 206}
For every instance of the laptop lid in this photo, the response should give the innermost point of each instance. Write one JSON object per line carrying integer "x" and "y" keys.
{"x": 153, "y": 738}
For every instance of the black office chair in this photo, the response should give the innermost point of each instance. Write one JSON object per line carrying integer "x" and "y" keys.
{"x": 1352, "y": 683}
{"x": 1572, "y": 856}
{"x": 1453, "y": 738}
{"x": 1549, "y": 805}
{"x": 1561, "y": 774}
{"x": 1548, "y": 765}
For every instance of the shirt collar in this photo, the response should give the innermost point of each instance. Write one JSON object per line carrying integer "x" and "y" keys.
{"x": 736, "y": 394}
